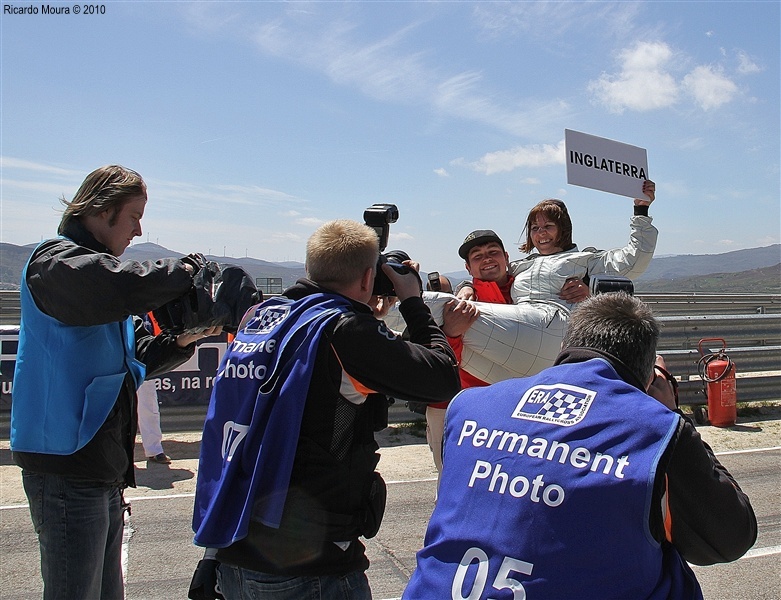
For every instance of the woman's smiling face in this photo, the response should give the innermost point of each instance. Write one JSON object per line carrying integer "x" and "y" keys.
{"x": 545, "y": 235}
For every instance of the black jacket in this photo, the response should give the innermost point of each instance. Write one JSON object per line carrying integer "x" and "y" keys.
{"x": 79, "y": 282}
{"x": 710, "y": 518}
{"x": 359, "y": 365}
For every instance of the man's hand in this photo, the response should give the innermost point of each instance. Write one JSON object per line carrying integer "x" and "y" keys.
{"x": 574, "y": 290}
{"x": 194, "y": 262}
{"x": 662, "y": 388}
{"x": 407, "y": 285}
{"x": 467, "y": 292}
{"x": 185, "y": 339}
{"x": 649, "y": 189}
{"x": 458, "y": 317}
{"x": 380, "y": 305}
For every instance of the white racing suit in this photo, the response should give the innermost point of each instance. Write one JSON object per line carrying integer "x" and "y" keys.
{"x": 521, "y": 339}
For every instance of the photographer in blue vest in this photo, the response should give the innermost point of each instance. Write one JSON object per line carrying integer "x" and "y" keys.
{"x": 576, "y": 483}
{"x": 286, "y": 479}
{"x": 81, "y": 358}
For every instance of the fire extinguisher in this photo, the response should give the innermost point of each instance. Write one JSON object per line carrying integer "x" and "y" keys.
{"x": 717, "y": 372}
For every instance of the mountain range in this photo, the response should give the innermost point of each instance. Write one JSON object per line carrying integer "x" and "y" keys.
{"x": 755, "y": 270}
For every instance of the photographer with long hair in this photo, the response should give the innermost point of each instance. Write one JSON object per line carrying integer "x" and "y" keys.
{"x": 82, "y": 356}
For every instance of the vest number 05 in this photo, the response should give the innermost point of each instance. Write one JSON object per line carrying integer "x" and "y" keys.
{"x": 502, "y": 580}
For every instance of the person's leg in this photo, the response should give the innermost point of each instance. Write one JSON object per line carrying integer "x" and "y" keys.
{"x": 149, "y": 419}
{"x": 353, "y": 586}
{"x": 72, "y": 520}
{"x": 113, "y": 573}
{"x": 435, "y": 429}
{"x": 236, "y": 583}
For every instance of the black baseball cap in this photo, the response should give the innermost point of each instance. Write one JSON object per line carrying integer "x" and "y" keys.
{"x": 478, "y": 238}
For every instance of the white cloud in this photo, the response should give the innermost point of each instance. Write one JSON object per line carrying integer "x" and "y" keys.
{"x": 442, "y": 172}
{"x": 33, "y": 189}
{"x": 310, "y": 221}
{"x": 746, "y": 66}
{"x": 389, "y": 70}
{"x": 26, "y": 188}
{"x": 709, "y": 87}
{"x": 642, "y": 83}
{"x": 377, "y": 68}
{"x": 200, "y": 198}
{"x": 696, "y": 143}
{"x": 208, "y": 17}
{"x": 9, "y": 162}
{"x": 400, "y": 236}
{"x": 254, "y": 191}
{"x": 522, "y": 156}
{"x": 554, "y": 20}
{"x": 286, "y": 236}
{"x": 646, "y": 81}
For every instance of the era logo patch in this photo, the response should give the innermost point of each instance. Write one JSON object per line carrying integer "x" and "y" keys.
{"x": 383, "y": 330}
{"x": 560, "y": 404}
{"x": 268, "y": 318}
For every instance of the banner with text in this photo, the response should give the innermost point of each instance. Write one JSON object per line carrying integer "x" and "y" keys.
{"x": 188, "y": 385}
{"x": 606, "y": 165}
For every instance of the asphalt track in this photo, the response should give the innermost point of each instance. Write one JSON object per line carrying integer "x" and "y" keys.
{"x": 161, "y": 557}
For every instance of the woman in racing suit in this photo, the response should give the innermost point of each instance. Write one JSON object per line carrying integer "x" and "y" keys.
{"x": 524, "y": 338}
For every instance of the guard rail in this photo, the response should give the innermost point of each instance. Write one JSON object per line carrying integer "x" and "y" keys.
{"x": 675, "y": 304}
{"x": 712, "y": 304}
{"x": 750, "y": 324}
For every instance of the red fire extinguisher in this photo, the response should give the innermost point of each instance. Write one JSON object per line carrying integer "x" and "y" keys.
{"x": 717, "y": 372}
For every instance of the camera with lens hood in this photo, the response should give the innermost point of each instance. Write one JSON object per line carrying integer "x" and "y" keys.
{"x": 219, "y": 296}
{"x": 379, "y": 217}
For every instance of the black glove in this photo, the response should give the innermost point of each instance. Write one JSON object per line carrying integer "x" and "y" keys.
{"x": 204, "y": 583}
{"x": 196, "y": 260}
{"x": 192, "y": 313}
{"x": 236, "y": 294}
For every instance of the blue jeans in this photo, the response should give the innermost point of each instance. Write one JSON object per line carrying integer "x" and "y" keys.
{"x": 79, "y": 526}
{"x": 242, "y": 584}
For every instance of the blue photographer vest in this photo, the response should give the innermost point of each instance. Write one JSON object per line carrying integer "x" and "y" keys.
{"x": 546, "y": 492}
{"x": 254, "y": 417}
{"x": 66, "y": 379}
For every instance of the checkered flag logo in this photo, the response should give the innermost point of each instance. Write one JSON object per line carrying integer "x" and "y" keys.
{"x": 268, "y": 319}
{"x": 559, "y": 404}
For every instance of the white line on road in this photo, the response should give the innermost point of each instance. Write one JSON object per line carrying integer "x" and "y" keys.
{"x": 396, "y": 482}
{"x": 748, "y": 451}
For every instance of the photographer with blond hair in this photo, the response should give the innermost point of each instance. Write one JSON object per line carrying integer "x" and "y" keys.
{"x": 287, "y": 482}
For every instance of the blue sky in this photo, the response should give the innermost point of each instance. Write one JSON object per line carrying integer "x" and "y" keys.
{"x": 254, "y": 122}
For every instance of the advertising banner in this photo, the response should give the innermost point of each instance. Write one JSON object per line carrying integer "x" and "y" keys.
{"x": 189, "y": 384}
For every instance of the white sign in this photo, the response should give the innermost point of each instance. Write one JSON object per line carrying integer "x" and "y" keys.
{"x": 607, "y": 165}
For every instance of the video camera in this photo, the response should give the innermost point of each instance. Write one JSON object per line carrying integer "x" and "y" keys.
{"x": 379, "y": 217}
{"x": 219, "y": 296}
{"x": 603, "y": 284}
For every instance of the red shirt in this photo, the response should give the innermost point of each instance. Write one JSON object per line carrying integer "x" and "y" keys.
{"x": 485, "y": 291}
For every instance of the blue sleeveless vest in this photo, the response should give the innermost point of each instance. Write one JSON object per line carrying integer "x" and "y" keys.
{"x": 66, "y": 379}
{"x": 254, "y": 417}
{"x": 546, "y": 490}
